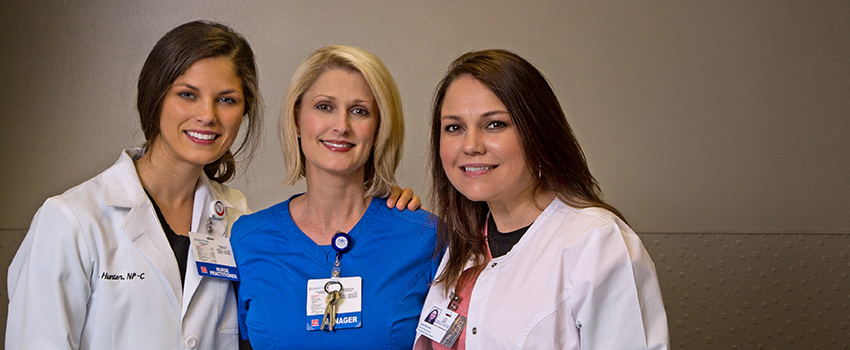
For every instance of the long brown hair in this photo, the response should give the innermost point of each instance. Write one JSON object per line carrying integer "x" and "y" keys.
{"x": 172, "y": 55}
{"x": 551, "y": 152}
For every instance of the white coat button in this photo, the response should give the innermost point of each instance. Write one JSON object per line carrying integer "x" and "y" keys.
{"x": 191, "y": 342}
{"x": 494, "y": 265}
{"x": 474, "y": 330}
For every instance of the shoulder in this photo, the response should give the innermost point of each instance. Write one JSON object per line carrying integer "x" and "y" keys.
{"x": 250, "y": 223}
{"x": 232, "y": 196}
{"x": 420, "y": 217}
{"x": 572, "y": 224}
{"x": 85, "y": 200}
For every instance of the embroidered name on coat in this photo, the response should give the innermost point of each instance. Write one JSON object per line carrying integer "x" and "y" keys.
{"x": 120, "y": 277}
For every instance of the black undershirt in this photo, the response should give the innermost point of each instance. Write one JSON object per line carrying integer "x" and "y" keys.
{"x": 501, "y": 243}
{"x": 179, "y": 244}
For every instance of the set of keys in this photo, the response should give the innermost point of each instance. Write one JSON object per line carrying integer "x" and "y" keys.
{"x": 341, "y": 242}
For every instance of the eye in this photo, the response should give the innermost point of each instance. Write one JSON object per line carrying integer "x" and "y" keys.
{"x": 451, "y": 128}
{"x": 324, "y": 107}
{"x": 186, "y": 95}
{"x": 495, "y": 125}
{"x": 228, "y": 100}
{"x": 363, "y": 112}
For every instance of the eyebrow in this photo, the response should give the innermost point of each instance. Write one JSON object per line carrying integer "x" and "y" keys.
{"x": 484, "y": 115}
{"x": 332, "y": 98}
{"x": 195, "y": 88}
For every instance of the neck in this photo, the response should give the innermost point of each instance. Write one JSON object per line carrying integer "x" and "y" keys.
{"x": 331, "y": 204}
{"x": 520, "y": 212}
{"x": 167, "y": 182}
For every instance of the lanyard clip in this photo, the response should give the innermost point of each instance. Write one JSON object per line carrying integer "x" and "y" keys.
{"x": 341, "y": 242}
{"x": 217, "y": 211}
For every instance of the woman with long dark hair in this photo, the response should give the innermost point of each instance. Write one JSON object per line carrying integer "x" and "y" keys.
{"x": 108, "y": 264}
{"x": 536, "y": 259}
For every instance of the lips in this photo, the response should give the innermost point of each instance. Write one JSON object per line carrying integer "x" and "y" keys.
{"x": 202, "y": 137}
{"x": 335, "y": 145}
{"x": 475, "y": 170}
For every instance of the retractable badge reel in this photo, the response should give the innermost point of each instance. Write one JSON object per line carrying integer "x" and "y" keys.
{"x": 213, "y": 254}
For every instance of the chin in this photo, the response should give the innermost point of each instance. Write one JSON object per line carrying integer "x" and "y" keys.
{"x": 475, "y": 195}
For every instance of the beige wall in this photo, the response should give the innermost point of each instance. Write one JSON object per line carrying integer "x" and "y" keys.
{"x": 718, "y": 117}
{"x": 695, "y": 117}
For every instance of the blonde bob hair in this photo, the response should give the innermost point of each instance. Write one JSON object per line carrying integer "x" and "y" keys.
{"x": 389, "y": 138}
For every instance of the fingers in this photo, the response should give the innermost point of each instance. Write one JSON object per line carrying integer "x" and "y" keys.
{"x": 403, "y": 198}
{"x": 414, "y": 204}
{"x": 395, "y": 192}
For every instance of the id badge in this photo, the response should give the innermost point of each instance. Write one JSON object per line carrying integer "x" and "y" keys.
{"x": 349, "y": 309}
{"x": 213, "y": 256}
{"x": 441, "y": 325}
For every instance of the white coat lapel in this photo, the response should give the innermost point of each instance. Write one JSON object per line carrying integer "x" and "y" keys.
{"x": 122, "y": 188}
{"x": 146, "y": 233}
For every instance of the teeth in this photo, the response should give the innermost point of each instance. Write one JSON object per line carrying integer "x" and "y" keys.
{"x": 198, "y": 135}
{"x": 477, "y": 168}
{"x": 332, "y": 144}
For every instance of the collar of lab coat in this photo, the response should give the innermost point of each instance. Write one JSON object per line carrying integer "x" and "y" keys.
{"x": 122, "y": 188}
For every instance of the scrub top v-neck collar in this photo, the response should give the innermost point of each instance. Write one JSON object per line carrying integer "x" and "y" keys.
{"x": 322, "y": 254}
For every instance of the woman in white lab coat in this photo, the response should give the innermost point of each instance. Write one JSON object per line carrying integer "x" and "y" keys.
{"x": 536, "y": 259}
{"x": 107, "y": 264}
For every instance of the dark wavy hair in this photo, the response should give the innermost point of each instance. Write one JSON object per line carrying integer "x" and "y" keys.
{"x": 551, "y": 152}
{"x": 172, "y": 55}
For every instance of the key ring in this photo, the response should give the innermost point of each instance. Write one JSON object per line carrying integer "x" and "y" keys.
{"x": 331, "y": 283}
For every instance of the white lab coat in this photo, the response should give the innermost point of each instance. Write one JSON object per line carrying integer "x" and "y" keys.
{"x": 96, "y": 271}
{"x": 578, "y": 279}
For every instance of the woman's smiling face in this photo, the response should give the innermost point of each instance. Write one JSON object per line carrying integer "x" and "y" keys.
{"x": 337, "y": 123}
{"x": 201, "y": 113}
{"x": 480, "y": 148}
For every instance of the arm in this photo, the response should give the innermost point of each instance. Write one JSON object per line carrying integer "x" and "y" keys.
{"x": 619, "y": 303}
{"x": 403, "y": 198}
{"x": 49, "y": 283}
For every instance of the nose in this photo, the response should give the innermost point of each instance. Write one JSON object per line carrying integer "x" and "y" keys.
{"x": 473, "y": 143}
{"x": 341, "y": 123}
{"x": 207, "y": 113}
